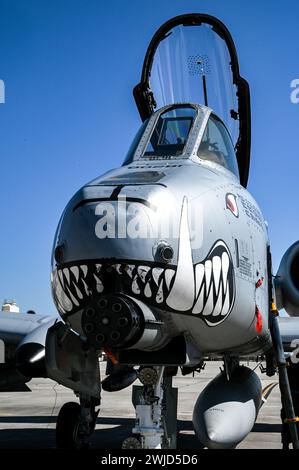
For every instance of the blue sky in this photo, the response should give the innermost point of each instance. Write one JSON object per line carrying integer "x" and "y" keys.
{"x": 69, "y": 67}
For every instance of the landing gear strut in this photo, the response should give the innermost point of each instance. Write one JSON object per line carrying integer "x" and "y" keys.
{"x": 75, "y": 423}
{"x": 156, "y": 411}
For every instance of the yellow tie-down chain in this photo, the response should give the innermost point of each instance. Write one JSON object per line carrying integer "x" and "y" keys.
{"x": 291, "y": 420}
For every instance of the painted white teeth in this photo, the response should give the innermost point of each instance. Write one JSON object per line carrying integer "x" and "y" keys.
{"x": 74, "y": 300}
{"x": 199, "y": 275}
{"x": 225, "y": 267}
{"x": 56, "y": 289}
{"x": 206, "y": 288}
{"x": 75, "y": 271}
{"x": 209, "y": 304}
{"x": 117, "y": 268}
{"x": 63, "y": 299}
{"x": 212, "y": 281}
{"x": 67, "y": 275}
{"x": 226, "y": 305}
{"x": 85, "y": 287}
{"x": 135, "y": 287}
{"x": 129, "y": 269}
{"x": 159, "y": 296}
{"x": 147, "y": 290}
{"x": 168, "y": 275}
{"x": 156, "y": 273}
{"x": 208, "y": 274}
{"x": 61, "y": 278}
{"x": 218, "y": 306}
{"x": 79, "y": 293}
{"x": 216, "y": 263}
{"x": 198, "y": 307}
{"x": 84, "y": 269}
{"x": 99, "y": 284}
{"x": 142, "y": 272}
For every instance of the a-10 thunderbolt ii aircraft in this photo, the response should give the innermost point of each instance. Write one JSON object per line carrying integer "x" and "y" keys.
{"x": 165, "y": 262}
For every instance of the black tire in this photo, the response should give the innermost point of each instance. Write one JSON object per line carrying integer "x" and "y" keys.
{"x": 66, "y": 426}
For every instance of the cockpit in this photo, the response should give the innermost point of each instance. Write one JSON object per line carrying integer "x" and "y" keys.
{"x": 171, "y": 132}
{"x": 184, "y": 131}
{"x": 216, "y": 145}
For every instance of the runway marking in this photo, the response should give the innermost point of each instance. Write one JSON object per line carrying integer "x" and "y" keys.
{"x": 267, "y": 391}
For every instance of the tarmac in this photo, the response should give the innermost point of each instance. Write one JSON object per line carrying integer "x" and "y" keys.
{"x": 27, "y": 419}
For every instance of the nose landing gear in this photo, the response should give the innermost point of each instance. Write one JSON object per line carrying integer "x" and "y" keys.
{"x": 75, "y": 424}
{"x": 155, "y": 425}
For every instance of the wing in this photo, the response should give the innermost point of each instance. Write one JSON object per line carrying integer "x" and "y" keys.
{"x": 14, "y": 326}
{"x": 22, "y": 336}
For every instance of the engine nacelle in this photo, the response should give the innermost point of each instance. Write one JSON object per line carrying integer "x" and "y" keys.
{"x": 287, "y": 281}
{"x": 30, "y": 354}
{"x": 226, "y": 410}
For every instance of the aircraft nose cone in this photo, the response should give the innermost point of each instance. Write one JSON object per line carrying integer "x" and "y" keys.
{"x": 105, "y": 229}
{"x": 105, "y": 242}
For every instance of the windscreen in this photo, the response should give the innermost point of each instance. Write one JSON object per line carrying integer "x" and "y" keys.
{"x": 216, "y": 146}
{"x": 171, "y": 132}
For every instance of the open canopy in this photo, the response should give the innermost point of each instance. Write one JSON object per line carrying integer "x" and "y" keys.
{"x": 192, "y": 58}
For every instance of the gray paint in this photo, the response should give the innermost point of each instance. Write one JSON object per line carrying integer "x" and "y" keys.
{"x": 201, "y": 188}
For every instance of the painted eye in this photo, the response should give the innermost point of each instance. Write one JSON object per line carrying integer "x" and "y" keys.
{"x": 231, "y": 204}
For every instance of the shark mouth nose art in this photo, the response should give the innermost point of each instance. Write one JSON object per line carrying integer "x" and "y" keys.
{"x": 205, "y": 290}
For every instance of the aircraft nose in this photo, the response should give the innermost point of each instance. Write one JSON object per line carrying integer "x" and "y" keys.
{"x": 107, "y": 246}
{"x": 104, "y": 244}
{"x": 123, "y": 227}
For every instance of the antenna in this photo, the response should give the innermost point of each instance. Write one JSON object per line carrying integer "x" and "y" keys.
{"x": 204, "y": 83}
{"x": 200, "y": 65}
